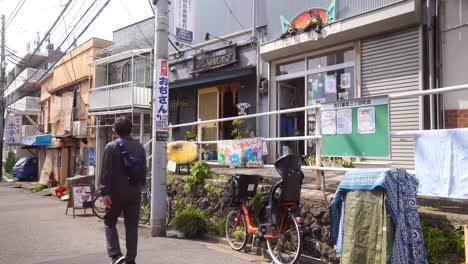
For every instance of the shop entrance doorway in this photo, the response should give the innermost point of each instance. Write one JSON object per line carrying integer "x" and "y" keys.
{"x": 208, "y": 108}
{"x": 291, "y": 94}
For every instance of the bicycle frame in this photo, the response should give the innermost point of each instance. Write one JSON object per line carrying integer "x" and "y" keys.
{"x": 250, "y": 228}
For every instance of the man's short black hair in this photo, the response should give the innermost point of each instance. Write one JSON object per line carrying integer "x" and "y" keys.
{"x": 123, "y": 126}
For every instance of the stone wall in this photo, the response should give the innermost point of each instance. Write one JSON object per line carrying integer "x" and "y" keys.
{"x": 314, "y": 212}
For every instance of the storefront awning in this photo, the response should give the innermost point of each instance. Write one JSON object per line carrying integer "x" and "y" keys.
{"x": 37, "y": 140}
{"x": 213, "y": 78}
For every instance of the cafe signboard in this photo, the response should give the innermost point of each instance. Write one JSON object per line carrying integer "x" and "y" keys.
{"x": 214, "y": 59}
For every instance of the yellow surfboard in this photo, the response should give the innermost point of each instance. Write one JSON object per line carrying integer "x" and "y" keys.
{"x": 182, "y": 152}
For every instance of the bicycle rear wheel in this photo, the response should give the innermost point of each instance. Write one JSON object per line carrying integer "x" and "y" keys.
{"x": 287, "y": 247}
{"x": 236, "y": 230}
{"x": 99, "y": 209}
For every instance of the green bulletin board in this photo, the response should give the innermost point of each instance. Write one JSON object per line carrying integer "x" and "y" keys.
{"x": 356, "y": 128}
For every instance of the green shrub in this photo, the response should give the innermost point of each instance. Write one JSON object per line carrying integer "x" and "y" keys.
{"x": 191, "y": 223}
{"x": 10, "y": 162}
{"x": 256, "y": 201}
{"x": 200, "y": 172}
{"x": 217, "y": 226}
{"x": 39, "y": 188}
{"x": 213, "y": 191}
{"x": 443, "y": 244}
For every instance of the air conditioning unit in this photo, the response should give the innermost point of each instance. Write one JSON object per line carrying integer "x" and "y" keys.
{"x": 79, "y": 129}
{"x": 28, "y": 131}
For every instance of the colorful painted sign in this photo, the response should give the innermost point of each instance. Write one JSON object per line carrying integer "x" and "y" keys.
{"x": 13, "y": 129}
{"x": 241, "y": 153}
{"x": 301, "y": 20}
{"x": 161, "y": 117}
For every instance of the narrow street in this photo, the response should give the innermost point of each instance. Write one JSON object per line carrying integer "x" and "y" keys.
{"x": 34, "y": 229}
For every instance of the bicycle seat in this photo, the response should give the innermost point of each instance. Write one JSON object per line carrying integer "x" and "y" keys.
{"x": 288, "y": 163}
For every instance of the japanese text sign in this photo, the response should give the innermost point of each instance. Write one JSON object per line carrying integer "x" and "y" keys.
{"x": 183, "y": 20}
{"x": 161, "y": 101}
{"x": 13, "y": 129}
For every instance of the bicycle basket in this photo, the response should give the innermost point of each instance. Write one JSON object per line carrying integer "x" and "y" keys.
{"x": 243, "y": 188}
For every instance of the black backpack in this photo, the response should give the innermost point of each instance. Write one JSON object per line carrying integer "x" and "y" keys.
{"x": 135, "y": 166}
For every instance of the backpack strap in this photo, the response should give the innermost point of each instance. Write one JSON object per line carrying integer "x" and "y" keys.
{"x": 123, "y": 149}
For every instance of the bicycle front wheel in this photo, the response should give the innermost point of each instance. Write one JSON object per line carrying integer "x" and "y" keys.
{"x": 286, "y": 248}
{"x": 236, "y": 230}
{"x": 99, "y": 209}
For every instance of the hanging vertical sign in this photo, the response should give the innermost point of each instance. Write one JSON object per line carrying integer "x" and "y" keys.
{"x": 13, "y": 129}
{"x": 161, "y": 117}
{"x": 183, "y": 20}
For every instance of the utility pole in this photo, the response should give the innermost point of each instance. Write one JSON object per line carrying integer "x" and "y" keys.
{"x": 160, "y": 119}
{"x": 2, "y": 94}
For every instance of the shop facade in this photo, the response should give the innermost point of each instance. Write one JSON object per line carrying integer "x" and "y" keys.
{"x": 376, "y": 53}
{"x": 216, "y": 82}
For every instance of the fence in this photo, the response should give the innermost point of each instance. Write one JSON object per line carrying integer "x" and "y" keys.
{"x": 317, "y": 137}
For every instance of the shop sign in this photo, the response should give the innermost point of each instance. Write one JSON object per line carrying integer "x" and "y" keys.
{"x": 213, "y": 59}
{"x": 241, "y": 152}
{"x": 302, "y": 19}
{"x": 161, "y": 117}
{"x": 183, "y": 20}
{"x": 13, "y": 129}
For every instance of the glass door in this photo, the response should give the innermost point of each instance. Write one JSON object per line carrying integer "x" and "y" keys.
{"x": 291, "y": 95}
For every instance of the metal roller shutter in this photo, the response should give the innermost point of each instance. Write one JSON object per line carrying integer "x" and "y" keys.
{"x": 390, "y": 64}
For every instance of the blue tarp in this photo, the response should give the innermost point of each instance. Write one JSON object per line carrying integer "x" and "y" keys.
{"x": 37, "y": 140}
{"x": 442, "y": 163}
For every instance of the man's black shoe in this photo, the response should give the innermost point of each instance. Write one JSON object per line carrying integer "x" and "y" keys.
{"x": 118, "y": 260}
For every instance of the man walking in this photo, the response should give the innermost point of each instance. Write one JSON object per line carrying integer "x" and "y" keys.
{"x": 123, "y": 172}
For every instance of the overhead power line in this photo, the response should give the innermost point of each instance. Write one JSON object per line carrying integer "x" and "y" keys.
{"x": 15, "y": 12}
{"x": 233, "y": 15}
{"x": 81, "y": 33}
{"x": 151, "y": 5}
{"x": 47, "y": 35}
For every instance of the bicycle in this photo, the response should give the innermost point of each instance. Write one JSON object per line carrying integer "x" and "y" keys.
{"x": 280, "y": 223}
{"x": 145, "y": 209}
{"x": 99, "y": 209}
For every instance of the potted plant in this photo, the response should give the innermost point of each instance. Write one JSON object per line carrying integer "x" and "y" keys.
{"x": 326, "y": 162}
{"x": 205, "y": 154}
{"x": 190, "y": 135}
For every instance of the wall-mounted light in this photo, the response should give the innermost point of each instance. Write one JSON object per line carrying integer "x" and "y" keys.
{"x": 208, "y": 37}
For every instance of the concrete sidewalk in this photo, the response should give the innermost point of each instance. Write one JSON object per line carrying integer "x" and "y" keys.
{"x": 34, "y": 229}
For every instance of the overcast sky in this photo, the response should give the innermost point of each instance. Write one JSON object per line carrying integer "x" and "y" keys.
{"x": 39, "y": 15}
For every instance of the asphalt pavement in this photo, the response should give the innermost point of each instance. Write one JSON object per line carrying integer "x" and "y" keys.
{"x": 35, "y": 230}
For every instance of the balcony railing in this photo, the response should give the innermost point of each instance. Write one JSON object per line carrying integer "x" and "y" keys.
{"x": 119, "y": 96}
{"x": 25, "y": 81}
{"x": 27, "y": 104}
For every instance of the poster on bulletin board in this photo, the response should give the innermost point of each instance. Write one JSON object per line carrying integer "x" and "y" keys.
{"x": 356, "y": 128}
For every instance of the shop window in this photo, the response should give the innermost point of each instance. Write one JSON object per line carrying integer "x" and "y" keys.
{"x": 330, "y": 59}
{"x": 290, "y": 67}
{"x": 330, "y": 86}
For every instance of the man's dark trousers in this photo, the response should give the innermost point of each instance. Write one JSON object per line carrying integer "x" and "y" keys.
{"x": 130, "y": 206}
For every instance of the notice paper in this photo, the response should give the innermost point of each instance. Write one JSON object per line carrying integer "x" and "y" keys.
{"x": 366, "y": 120}
{"x": 328, "y": 122}
{"x": 344, "y": 121}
